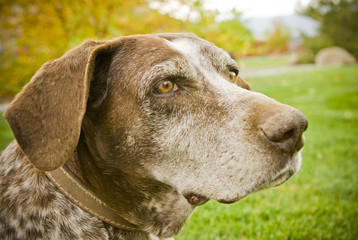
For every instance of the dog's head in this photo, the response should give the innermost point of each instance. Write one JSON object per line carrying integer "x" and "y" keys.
{"x": 159, "y": 123}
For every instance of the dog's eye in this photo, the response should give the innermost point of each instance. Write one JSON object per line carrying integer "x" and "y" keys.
{"x": 232, "y": 76}
{"x": 166, "y": 86}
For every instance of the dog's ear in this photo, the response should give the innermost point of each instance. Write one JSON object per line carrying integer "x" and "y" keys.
{"x": 242, "y": 83}
{"x": 46, "y": 116}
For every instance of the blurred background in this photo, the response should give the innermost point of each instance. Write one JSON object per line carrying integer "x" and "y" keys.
{"x": 33, "y": 32}
{"x": 300, "y": 52}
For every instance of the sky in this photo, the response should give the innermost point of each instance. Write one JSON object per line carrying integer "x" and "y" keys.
{"x": 257, "y": 8}
{"x": 249, "y": 8}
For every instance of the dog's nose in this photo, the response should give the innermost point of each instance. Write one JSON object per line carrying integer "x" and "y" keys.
{"x": 284, "y": 128}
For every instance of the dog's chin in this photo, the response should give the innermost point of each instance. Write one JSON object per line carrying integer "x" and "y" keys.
{"x": 272, "y": 181}
{"x": 197, "y": 199}
{"x": 276, "y": 181}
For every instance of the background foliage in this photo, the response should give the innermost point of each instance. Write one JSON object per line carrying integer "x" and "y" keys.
{"x": 34, "y": 32}
{"x": 338, "y": 26}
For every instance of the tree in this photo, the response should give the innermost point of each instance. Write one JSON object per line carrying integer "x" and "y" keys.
{"x": 33, "y": 32}
{"x": 278, "y": 39}
{"x": 338, "y": 24}
{"x": 234, "y": 36}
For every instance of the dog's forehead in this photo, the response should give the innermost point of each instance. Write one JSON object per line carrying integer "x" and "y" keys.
{"x": 206, "y": 59}
{"x": 158, "y": 56}
{"x": 202, "y": 53}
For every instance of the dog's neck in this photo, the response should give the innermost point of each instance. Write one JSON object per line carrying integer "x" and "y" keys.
{"x": 85, "y": 198}
{"x": 73, "y": 165}
{"x": 121, "y": 229}
{"x": 132, "y": 205}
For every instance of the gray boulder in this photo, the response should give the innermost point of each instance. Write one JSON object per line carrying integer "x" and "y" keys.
{"x": 334, "y": 56}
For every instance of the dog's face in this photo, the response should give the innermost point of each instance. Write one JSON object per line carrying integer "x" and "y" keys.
{"x": 169, "y": 125}
{"x": 187, "y": 125}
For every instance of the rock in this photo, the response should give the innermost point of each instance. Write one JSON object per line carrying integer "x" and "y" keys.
{"x": 334, "y": 56}
{"x": 293, "y": 59}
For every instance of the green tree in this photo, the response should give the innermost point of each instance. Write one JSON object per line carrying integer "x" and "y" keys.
{"x": 230, "y": 34}
{"x": 338, "y": 25}
{"x": 234, "y": 36}
{"x": 33, "y": 32}
{"x": 278, "y": 39}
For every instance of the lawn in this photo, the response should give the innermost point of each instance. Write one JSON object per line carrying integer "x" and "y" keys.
{"x": 321, "y": 201}
{"x": 264, "y": 61}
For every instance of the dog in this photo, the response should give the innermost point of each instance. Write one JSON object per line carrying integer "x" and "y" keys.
{"x": 122, "y": 139}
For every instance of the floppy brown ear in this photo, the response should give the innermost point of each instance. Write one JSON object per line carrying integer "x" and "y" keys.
{"x": 46, "y": 116}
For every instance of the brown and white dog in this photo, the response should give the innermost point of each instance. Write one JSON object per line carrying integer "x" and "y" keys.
{"x": 148, "y": 127}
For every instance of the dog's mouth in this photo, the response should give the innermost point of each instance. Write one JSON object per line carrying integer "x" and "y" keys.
{"x": 280, "y": 179}
{"x": 198, "y": 199}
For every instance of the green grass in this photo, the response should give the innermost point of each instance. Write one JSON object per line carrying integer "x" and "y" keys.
{"x": 321, "y": 201}
{"x": 264, "y": 61}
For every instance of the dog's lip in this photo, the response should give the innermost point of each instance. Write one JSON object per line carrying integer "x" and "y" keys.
{"x": 230, "y": 201}
{"x": 278, "y": 180}
{"x": 198, "y": 199}
{"x": 195, "y": 199}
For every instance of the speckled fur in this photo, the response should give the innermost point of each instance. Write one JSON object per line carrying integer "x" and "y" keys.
{"x": 33, "y": 208}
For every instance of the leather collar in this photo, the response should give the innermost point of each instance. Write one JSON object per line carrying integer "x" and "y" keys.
{"x": 73, "y": 188}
